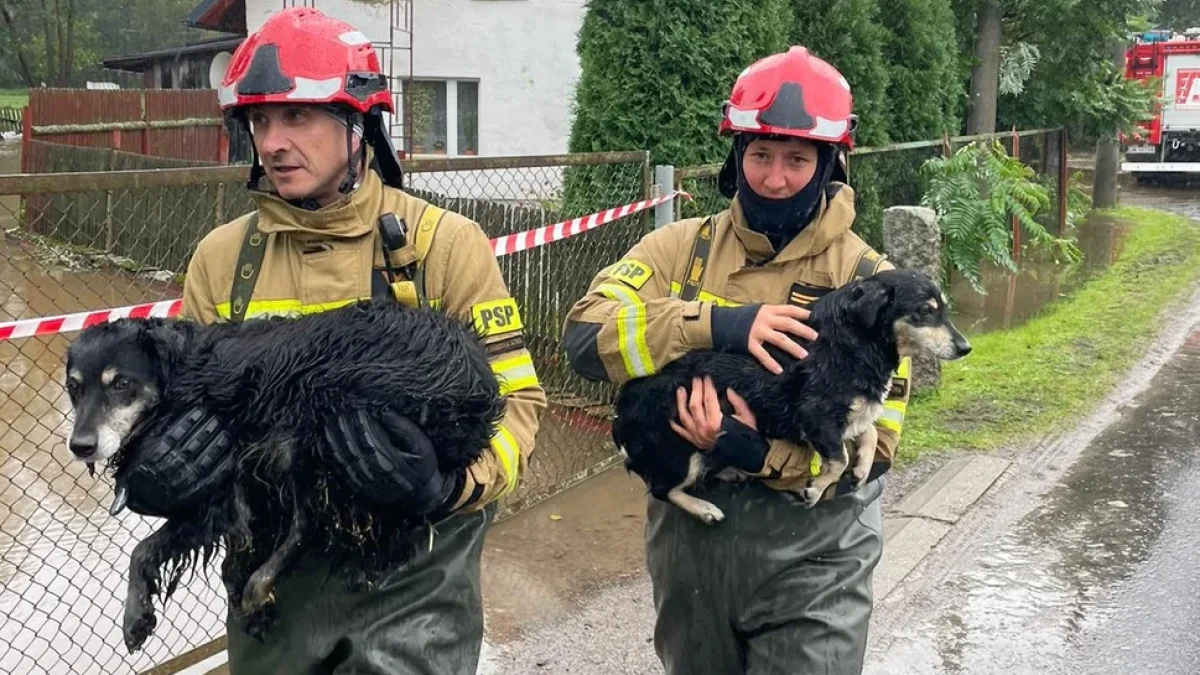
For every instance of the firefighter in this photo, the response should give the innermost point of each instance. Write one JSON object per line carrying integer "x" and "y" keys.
{"x": 332, "y": 226}
{"x": 776, "y": 587}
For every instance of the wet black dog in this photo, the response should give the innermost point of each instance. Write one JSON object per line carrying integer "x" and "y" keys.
{"x": 275, "y": 384}
{"x": 833, "y": 395}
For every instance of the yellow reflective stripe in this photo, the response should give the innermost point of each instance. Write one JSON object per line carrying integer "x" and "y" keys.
{"x": 814, "y": 463}
{"x": 895, "y": 409}
{"x": 283, "y": 307}
{"x": 631, "y": 333}
{"x": 631, "y": 330}
{"x": 506, "y": 450}
{"x": 619, "y": 292}
{"x": 893, "y": 416}
{"x": 515, "y": 373}
{"x": 704, "y": 296}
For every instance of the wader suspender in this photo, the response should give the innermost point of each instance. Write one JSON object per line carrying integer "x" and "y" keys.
{"x": 249, "y": 263}
{"x": 867, "y": 264}
{"x": 410, "y": 292}
{"x": 254, "y": 249}
{"x": 701, "y": 247}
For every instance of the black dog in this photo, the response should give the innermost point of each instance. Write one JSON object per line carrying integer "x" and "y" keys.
{"x": 833, "y": 395}
{"x": 275, "y": 384}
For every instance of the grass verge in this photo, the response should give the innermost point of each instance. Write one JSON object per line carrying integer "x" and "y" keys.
{"x": 14, "y": 98}
{"x": 1022, "y": 383}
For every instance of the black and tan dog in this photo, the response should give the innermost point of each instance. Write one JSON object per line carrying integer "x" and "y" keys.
{"x": 833, "y": 395}
{"x": 274, "y": 384}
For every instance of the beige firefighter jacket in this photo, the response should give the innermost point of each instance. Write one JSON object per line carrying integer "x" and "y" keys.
{"x": 632, "y": 321}
{"x": 318, "y": 260}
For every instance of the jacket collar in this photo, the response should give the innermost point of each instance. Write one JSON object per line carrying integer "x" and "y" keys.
{"x": 834, "y": 217}
{"x": 352, "y": 216}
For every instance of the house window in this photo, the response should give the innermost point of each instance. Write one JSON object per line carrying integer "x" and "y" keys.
{"x": 435, "y": 103}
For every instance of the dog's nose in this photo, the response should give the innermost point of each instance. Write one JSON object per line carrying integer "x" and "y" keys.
{"x": 83, "y": 445}
{"x": 963, "y": 347}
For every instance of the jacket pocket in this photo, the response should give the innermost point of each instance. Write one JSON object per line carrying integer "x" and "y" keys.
{"x": 334, "y": 276}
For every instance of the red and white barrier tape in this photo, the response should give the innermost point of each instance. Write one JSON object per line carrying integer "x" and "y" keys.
{"x": 501, "y": 246}
{"x": 513, "y": 243}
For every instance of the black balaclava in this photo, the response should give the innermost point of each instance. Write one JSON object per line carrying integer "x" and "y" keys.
{"x": 779, "y": 220}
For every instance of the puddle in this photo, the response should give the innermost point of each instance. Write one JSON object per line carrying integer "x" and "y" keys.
{"x": 1013, "y": 299}
{"x": 63, "y": 560}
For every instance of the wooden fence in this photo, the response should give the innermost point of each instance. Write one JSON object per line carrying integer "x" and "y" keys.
{"x": 179, "y": 124}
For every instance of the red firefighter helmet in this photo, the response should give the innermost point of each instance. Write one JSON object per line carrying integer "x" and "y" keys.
{"x": 300, "y": 55}
{"x": 791, "y": 94}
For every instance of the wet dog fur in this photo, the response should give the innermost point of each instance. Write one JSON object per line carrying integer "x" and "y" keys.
{"x": 275, "y": 383}
{"x": 832, "y": 396}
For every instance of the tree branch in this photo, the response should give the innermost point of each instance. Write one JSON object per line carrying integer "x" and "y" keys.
{"x": 26, "y": 72}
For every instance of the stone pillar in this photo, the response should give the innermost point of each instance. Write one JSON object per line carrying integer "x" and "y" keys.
{"x": 913, "y": 240}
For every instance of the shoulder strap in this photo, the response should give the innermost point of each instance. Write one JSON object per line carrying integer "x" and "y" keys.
{"x": 701, "y": 247}
{"x": 411, "y": 291}
{"x": 246, "y": 273}
{"x": 426, "y": 229}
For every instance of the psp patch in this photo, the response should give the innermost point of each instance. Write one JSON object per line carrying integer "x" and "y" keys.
{"x": 497, "y": 317}
{"x": 633, "y": 273}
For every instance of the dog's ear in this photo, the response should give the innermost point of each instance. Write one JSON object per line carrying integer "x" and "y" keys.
{"x": 868, "y": 304}
{"x": 164, "y": 342}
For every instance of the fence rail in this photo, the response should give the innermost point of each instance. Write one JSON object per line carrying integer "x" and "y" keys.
{"x": 94, "y": 239}
{"x": 175, "y": 123}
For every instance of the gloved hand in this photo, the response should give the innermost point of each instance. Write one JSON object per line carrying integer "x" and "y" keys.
{"x": 189, "y": 459}
{"x": 741, "y": 446}
{"x": 387, "y": 459}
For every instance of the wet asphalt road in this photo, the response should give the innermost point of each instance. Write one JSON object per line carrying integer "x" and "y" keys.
{"x": 1087, "y": 564}
{"x": 1101, "y": 578}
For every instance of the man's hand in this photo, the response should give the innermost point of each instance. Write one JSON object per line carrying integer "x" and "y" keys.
{"x": 387, "y": 459}
{"x": 190, "y": 459}
{"x": 776, "y": 324}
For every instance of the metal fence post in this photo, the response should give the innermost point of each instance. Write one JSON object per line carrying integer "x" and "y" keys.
{"x": 1016, "y": 225}
{"x": 1064, "y": 181}
{"x": 664, "y": 177}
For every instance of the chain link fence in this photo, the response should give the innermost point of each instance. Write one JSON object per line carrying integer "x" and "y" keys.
{"x": 891, "y": 176}
{"x": 97, "y": 240}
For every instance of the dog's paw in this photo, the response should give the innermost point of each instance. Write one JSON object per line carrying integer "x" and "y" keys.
{"x": 257, "y": 623}
{"x": 139, "y": 624}
{"x": 860, "y": 477}
{"x": 810, "y": 496}
{"x": 710, "y": 514}
{"x": 259, "y": 595}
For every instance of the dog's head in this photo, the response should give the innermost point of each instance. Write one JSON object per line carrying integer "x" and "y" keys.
{"x": 908, "y": 305}
{"x": 116, "y": 374}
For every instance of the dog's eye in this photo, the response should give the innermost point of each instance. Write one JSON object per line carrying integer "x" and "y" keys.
{"x": 119, "y": 384}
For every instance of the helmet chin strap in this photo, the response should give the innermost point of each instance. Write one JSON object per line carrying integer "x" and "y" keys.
{"x": 353, "y": 160}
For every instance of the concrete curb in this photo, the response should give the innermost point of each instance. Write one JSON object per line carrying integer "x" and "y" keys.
{"x": 926, "y": 514}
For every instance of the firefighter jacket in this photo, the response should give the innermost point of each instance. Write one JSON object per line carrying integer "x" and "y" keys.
{"x": 656, "y": 304}
{"x": 323, "y": 259}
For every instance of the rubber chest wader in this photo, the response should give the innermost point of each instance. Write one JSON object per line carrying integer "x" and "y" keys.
{"x": 427, "y": 616}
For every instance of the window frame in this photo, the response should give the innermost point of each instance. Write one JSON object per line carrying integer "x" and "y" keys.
{"x": 450, "y": 86}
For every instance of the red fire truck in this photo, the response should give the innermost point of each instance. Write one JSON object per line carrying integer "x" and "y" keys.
{"x": 1168, "y": 144}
